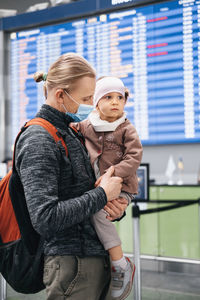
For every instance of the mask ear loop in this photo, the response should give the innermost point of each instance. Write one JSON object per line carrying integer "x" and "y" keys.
{"x": 64, "y": 108}
{"x": 62, "y": 103}
{"x": 71, "y": 97}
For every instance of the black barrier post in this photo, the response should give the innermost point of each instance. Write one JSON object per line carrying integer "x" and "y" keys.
{"x": 136, "y": 229}
{"x": 2, "y": 288}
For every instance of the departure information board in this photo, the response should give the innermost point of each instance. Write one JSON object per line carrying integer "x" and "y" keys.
{"x": 155, "y": 50}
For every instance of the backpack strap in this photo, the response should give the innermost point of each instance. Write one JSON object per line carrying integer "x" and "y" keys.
{"x": 78, "y": 134}
{"x": 50, "y": 128}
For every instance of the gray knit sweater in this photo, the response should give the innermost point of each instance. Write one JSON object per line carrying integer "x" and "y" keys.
{"x": 59, "y": 190}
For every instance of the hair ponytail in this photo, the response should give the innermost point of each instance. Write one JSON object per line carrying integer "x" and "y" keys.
{"x": 65, "y": 72}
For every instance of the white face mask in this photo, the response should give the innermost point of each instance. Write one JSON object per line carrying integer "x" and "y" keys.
{"x": 83, "y": 110}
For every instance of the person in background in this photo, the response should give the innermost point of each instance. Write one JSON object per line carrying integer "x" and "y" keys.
{"x": 5, "y": 167}
{"x": 112, "y": 140}
{"x": 60, "y": 190}
{"x": 8, "y": 162}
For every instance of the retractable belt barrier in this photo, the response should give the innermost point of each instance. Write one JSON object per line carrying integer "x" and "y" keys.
{"x": 136, "y": 212}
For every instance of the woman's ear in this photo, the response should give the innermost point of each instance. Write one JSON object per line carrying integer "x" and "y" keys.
{"x": 59, "y": 94}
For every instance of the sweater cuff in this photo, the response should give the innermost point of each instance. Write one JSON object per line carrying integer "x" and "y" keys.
{"x": 128, "y": 196}
{"x": 102, "y": 198}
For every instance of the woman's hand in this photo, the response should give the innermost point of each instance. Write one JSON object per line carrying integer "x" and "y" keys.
{"x": 111, "y": 184}
{"x": 116, "y": 208}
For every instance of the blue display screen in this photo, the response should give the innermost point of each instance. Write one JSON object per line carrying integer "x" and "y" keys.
{"x": 155, "y": 50}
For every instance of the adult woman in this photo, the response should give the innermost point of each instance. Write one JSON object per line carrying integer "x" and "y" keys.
{"x": 60, "y": 191}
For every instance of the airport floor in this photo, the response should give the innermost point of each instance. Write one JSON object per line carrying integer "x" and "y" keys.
{"x": 155, "y": 286}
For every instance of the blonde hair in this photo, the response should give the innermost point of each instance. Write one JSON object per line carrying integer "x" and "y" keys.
{"x": 126, "y": 89}
{"x": 65, "y": 72}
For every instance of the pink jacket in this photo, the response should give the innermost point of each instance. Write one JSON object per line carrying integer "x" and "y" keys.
{"x": 121, "y": 148}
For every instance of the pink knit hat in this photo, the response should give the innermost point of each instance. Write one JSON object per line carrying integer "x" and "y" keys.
{"x": 108, "y": 85}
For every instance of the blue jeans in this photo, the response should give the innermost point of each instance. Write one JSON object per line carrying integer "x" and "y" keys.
{"x": 75, "y": 278}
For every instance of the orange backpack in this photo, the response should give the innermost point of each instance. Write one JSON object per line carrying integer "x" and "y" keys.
{"x": 21, "y": 247}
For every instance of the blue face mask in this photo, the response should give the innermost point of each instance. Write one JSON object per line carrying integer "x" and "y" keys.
{"x": 82, "y": 113}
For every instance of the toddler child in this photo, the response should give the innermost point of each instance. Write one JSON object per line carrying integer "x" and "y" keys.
{"x": 112, "y": 140}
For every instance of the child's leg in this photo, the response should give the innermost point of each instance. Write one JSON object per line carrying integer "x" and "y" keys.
{"x": 108, "y": 235}
{"x": 117, "y": 257}
{"x": 122, "y": 268}
{"x": 105, "y": 230}
{"x": 116, "y": 253}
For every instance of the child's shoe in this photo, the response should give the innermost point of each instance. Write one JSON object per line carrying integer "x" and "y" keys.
{"x": 122, "y": 280}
